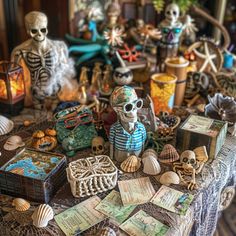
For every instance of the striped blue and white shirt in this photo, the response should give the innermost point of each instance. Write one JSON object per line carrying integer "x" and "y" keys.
{"x": 125, "y": 141}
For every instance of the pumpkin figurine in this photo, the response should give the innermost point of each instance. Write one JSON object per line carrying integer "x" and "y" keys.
{"x": 44, "y": 141}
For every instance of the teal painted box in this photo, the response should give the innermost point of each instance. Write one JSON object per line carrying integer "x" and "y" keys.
{"x": 201, "y": 131}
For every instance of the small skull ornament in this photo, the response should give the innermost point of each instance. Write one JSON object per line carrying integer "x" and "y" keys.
{"x": 188, "y": 159}
{"x": 36, "y": 25}
{"x": 172, "y": 13}
{"x": 98, "y": 146}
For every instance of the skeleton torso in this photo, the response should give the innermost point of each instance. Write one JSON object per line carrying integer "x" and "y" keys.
{"x": 41, "y": 62}
{"x": 170, "y": 33}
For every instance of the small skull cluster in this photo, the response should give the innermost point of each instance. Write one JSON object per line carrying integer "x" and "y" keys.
{"x": 98, "y": 146}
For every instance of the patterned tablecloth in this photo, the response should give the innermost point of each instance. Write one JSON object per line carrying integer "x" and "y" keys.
{"x": 200, "y": 220}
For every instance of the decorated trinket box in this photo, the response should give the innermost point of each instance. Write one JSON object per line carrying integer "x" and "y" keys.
{"x": 91, "y": 175}
{"x": 201, "y": 131}
{"x": 32, "y": 174}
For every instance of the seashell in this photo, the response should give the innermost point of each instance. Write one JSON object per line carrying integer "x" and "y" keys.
{"x": 151, "y": 166}
{"x": 168, "y": 154}
{"x": 6, "y": 125}
{"x": 107, "y": 231}
{"x": 201, "y": 153}
{"x": 20, "y": 204}
{"x": 38, "y": 134}
{"x": 169, "y": 177}
{"x": 131, "y": 164}
{"x": 42, "y": 215}
{"x": 13, "y": 143}
{"x": 149, "y": 152}
{"x": 221, "y": 108}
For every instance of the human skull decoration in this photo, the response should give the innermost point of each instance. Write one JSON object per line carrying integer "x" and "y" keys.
{"x": 126, "y": 103}
{"x": 98, "y": 146}
{"x": 188, "y": 160}
{"x": 36, "y": 25}
{"x": 172, "y": 13}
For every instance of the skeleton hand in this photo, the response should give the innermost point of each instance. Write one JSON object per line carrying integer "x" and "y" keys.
{"x": 192, "y": 185}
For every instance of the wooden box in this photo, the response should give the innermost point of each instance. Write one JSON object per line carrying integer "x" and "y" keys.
{"x": 201, "y": 131}
{"x": 33, "y": 175}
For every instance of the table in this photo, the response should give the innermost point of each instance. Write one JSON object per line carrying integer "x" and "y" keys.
{"x": 200, "y": 220}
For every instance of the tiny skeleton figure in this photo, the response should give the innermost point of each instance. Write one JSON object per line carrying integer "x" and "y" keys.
{"x": 191, "y": 164}
{"x": 47, "y": 61}
{"x": 172, "y": 28}
{"x": 127, "y": 135}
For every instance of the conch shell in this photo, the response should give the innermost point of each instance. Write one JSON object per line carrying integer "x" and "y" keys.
{"x": 131, "y": 164}
{"x": 42, "y": 215}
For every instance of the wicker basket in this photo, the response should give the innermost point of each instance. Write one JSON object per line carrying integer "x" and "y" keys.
{"x": 91, "y": 175}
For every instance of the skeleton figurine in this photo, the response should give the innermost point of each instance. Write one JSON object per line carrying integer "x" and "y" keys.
{"x": 127, "y": 135}
{"x": 191, "y": 164}
{"x": 47, "y": 60}
{"x": 172, "y": 28}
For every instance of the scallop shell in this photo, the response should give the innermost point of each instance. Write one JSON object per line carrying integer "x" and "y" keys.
{"x": 168, "y": 154}
{"x": 6, "y": 125}
{"x": 151, "y": 166}
{"x": 107, "y": 231}
{"x": 42, "y": 215}
{"x": 131, "y": 164}
{"x": 149, "y": 152}
{"x": 169, "y": 177}
{"x": 20, "y": 204}
{"x": 221, "y": 108}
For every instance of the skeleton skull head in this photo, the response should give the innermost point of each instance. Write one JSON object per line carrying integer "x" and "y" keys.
{"x": 36, "y": 25}
{"x": 188, "y": 159}
{"x": 125, "y": 102}
{"x": 172, "y": 12}
{"x": 98, "y": 145}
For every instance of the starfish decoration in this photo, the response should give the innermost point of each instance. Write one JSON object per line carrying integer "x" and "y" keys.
{"x": 129, "y": 53}
{"x": 114, "y": 36}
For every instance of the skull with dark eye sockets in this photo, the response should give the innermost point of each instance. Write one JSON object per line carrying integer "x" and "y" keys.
{"x": 98, "y": 146}
{"x": 36, "y": 25}
{"x": 188, "y": 159}
{"x": 172, "y": 12}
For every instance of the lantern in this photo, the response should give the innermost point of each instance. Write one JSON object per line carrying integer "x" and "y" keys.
{"x": 12, "y": 89}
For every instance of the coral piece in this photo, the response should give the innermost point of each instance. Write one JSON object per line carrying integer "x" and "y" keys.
{"x": 168, "y": 154}
{"x": 151, "y": 166}
{"x": 91, "y": 175}
{"x": 6, "y": 125}
{"x": 129, "y": 53}
{"x": 20, "y": 204}
{"x": 131, "y": 164}
{"x": 42, "y": 215}
{"x": 169, "y": 177}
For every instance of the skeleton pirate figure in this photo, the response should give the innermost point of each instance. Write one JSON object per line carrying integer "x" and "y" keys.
{"x": 127, "y": 135}
{"x": 172, "y": 28}
{"x": 47, "y": 61}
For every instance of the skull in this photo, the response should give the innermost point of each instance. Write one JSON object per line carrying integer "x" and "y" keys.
{"x": 98, "y": 144}
{"x": 125, "y": 102}
{"x": 188, "y": 159}
{"x": 172, "y": 12}
{"x": 36, "y": 25}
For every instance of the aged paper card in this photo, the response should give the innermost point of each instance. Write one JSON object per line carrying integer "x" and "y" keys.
{"x": 136, "y": 191}
{"x": 80, "y": 217}
{"x": 112, "y": 206}
{"x": 172, "y": 200}
{"x": 142, "y": 224}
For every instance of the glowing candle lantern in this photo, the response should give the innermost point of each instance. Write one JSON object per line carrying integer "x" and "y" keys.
{"x": 12, "y": 89}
